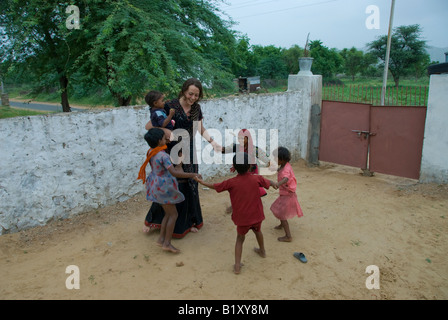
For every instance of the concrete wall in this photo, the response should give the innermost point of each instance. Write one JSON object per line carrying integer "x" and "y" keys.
{"x": 434, "y": 167}
{"x": 55, "y": 166}
{"x": 62, "y": 164}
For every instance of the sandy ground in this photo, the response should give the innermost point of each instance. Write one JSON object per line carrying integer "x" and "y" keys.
{"x": 350, "y": 222}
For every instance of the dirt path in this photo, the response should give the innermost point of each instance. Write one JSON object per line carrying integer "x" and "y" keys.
{"x": 349, "y": 223}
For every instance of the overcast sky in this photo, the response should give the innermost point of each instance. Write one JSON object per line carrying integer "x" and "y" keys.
{"x": 337, "y": 23}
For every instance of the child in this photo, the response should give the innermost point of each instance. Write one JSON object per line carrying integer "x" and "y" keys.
{"x": 245, "y": 144}
{"x": 246, "y": 203}
{"x": 159, "y": 118}
{"x": 161, "y": 186}
{"x": 286, "y": 206}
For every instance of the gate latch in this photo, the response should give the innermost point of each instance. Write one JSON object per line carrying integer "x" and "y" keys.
{"x": 365, "y": 133}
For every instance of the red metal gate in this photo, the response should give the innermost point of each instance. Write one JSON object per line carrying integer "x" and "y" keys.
{"x": 338, "y": 143}
{"x": 379, "y": 138}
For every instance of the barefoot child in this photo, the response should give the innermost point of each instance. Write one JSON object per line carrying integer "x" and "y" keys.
{"x": 161, "y": 186}
{"x": 286, "y": 206}
{"x": 246, "y": 203}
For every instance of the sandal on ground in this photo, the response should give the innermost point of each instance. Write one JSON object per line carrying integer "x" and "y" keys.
{"x": 300, "y": 256}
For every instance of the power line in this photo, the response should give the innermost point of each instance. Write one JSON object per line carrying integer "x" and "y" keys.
{"x": 249, "y": 4}
{"x": 281, "y": 10}
{"x": 241, "y": 3}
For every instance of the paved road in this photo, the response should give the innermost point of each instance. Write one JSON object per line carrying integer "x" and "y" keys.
{"x": 40, "y": 106}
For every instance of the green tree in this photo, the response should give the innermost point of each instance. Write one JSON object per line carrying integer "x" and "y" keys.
{"x": 125, "y": 52}
{"x": 39, "y": 43}
{"x": 291, "y": 57}
{"x": 370, "y": 67}
{"x": 327, "y": 62}
{"x": 353, "y": 61}
{"x": 270, "y": 64}
{"x": 357, "y": 62}
{"x": 247, "y": 63}
{"x": 127, "y": 46}
{"x": 407, "y": 50}
{"x": 157, "y": 44}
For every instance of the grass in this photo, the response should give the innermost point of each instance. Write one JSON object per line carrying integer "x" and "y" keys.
{"x": 411, "y": 91}
{"x": 378, "y": 81}
{"x": 8, "y": 112}
{"x": 25, "y": 92}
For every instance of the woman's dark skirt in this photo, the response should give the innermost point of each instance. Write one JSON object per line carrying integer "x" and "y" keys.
{"x": 189, "y": 212}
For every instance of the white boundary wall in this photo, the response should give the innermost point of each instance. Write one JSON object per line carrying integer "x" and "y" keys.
{"x": 55, "y": 166}
{"x": 434, "y": 167}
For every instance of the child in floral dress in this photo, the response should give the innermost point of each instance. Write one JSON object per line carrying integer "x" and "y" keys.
{"x": 161, "y": 185}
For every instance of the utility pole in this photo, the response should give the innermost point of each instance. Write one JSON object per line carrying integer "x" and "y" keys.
{"x": 1, "y": 80}
{"x": 386, "y": 63}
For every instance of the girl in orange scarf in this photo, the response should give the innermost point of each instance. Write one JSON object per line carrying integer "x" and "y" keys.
{"x": 161, "y": 185}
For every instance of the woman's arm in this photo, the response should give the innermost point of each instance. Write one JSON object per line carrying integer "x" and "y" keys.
{"x": 209, "y": 139}
{"x": 261, "y": 155}
{"x": 148, "y": 125}
{"x": 229, "y": 149}
{"x": 181, "y": 174}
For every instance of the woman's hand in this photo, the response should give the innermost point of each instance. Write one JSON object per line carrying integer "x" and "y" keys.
{"x": 216, "y": 146}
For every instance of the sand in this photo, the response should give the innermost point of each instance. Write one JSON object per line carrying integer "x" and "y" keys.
{"x": 350, "y": 222}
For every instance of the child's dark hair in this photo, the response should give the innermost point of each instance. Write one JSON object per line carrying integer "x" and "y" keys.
{"x": 241, "y": 162}
{"x": 283, "y": 154}
{"x": 152, "y": 97}
{"x": 153, "y": 136}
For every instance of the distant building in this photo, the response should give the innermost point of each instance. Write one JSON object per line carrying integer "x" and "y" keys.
{"x": 248, "y": 84}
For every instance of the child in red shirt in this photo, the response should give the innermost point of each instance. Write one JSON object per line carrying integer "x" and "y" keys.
{"x": 246, "y": 203}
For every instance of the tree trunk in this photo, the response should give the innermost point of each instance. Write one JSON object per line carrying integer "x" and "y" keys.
{"x": 124, "y": 101}
{"x": 397, "y": 81}
{"x": 63, "y": 83}
{"x": 396, "y": 77}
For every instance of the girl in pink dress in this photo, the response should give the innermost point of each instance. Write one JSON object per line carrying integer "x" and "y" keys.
{"x": 286, "y": 206}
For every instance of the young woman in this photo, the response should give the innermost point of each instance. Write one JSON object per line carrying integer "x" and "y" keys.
{"x": 187, "y": 112}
